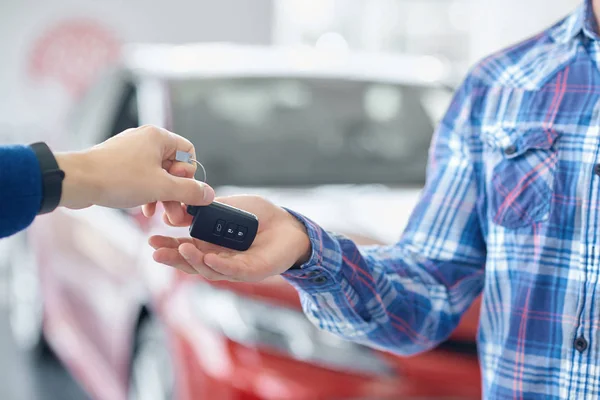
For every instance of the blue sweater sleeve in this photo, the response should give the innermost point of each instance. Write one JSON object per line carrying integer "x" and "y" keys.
{"x": 20, "y": 188}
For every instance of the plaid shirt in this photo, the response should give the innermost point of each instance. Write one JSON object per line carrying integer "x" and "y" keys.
{"x": 511, "y": 208}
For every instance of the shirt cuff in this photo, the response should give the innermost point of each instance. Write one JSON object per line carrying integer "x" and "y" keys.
{"x": 321, "y": 273}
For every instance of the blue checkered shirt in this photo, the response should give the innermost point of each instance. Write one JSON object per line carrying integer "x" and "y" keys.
{"x": 510, "y": 210}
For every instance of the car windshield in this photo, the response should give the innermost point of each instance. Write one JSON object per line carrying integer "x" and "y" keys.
{"x": 307, "y": 131}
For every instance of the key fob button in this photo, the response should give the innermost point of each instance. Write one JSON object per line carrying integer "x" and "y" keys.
{"x": 241, "y": 233}
{"x": 230, "y": 231}
{"x": 219, "y": 227}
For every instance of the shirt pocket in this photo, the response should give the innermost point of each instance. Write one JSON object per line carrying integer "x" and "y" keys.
{"x": 523, "y": 169}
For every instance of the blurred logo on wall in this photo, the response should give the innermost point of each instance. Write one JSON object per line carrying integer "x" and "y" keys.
{"x": 61, "y": 60}
{"x": 72, "y": 53}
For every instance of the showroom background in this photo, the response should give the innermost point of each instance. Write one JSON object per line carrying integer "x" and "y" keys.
{"x": 53, "y": 50}
{"x": 36, "y": 99}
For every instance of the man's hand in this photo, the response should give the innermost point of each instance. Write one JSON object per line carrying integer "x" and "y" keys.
{"x": 131, "y": 169}
{"x": 280, "y": 243}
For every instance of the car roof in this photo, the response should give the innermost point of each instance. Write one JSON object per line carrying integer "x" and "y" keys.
{"x": 224, "y": 60}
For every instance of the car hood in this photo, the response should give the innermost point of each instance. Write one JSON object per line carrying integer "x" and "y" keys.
{"x": 379, "y": 213}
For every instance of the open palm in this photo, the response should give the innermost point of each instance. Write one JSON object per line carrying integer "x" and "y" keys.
{"x": 280, "y": 242}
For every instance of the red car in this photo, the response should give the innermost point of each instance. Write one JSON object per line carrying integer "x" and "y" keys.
{"x": 342, "y": 138}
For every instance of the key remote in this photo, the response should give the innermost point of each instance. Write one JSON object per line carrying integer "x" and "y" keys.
{"x": 223, "y": 225}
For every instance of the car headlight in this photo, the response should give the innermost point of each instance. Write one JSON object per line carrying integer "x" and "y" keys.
{"x": 253, "y": 322}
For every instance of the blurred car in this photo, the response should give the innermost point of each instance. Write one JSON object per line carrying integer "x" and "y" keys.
{"x": 339, "y": 137}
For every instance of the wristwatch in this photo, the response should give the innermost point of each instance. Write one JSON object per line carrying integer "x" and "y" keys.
{"x": 52, "y": 177}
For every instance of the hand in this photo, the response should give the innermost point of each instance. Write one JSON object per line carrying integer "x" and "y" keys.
{"x": 280, "y": 243}
{"x": 133, "y": 168}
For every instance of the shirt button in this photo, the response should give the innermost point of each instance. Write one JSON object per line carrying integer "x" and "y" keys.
{"x": 597, "y": 169}
{"x": 581, "y": 344}
{"x": 320, "y": 279}
{"x": 512, "y": 149}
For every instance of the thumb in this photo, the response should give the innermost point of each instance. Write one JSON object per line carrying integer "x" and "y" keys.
{"x": 188, "y": 191}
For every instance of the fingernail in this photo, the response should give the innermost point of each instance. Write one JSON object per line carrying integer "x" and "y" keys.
{"x": 185, "y": 257}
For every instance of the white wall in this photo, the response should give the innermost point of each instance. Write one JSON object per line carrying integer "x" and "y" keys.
{"x": 462, "y": 30}
{"x": 496, "y": 24}
{"x": 25, "y": 106}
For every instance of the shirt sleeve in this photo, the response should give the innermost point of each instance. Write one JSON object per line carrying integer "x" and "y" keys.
{"x": 20, "y": 188}
{"x": 408, "y": 297}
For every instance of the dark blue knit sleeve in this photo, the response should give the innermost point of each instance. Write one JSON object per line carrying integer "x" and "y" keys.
{"x": 20, "y": 188}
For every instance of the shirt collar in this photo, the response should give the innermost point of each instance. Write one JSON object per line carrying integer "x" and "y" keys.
{"x": 582, "y": 20}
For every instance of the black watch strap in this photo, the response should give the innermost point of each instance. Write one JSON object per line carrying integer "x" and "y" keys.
{"x": 52, "y": 177}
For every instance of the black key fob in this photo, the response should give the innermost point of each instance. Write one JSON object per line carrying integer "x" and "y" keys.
{"x": 223, "y": 225}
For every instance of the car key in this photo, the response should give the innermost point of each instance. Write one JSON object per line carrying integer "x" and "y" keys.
{"x": 219, "y": 223}
{"x": 223, "y": 225}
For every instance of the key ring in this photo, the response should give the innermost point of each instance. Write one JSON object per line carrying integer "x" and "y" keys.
{"x": 182, "y": 156}
{"x": 201, "y": 166}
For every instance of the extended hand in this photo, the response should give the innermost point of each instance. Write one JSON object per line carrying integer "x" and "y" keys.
{"x": 133, "y": 168}
{"x": 281, "y": 242}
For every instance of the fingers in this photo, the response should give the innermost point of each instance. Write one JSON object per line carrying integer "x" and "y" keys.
{"x": 177, "y": 143}
{"x": 176, "y": 214}
{"x": 168, "y": 145}
{"x": 149, "y": 209}
{"x": 181, "y": 218}
{"x": 195, "y": 258}
{"x": 185, "y": 190}
{"x": 182, "y": 169}
{"x": 227, "y": 264}
{"x": 185, "y": 257}
{"x": 192, "y": 255}
{"x": 159, "y": 241}
{"x": 172, "y": 258}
